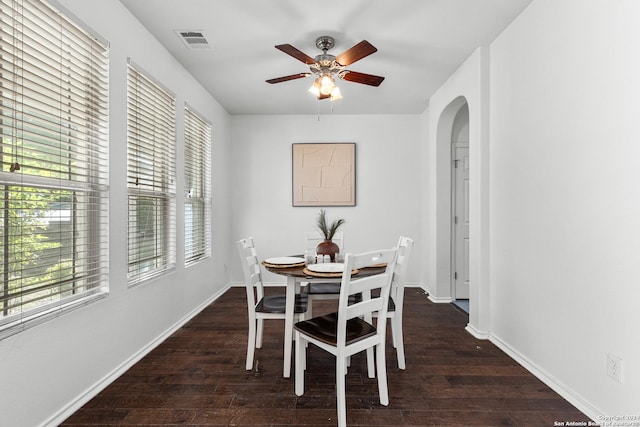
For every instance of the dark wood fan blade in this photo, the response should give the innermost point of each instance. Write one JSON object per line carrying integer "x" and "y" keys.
{"x": 366, "y": 79}
{"x": 287, "y": 78}
{"x": 356, "y": 53}
{"x": 299, "y": 55}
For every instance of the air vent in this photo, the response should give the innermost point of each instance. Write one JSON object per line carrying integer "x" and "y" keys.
{"x": 194, "y": 39}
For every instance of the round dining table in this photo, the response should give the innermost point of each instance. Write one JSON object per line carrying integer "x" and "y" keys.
{"x": 296, "y": 275}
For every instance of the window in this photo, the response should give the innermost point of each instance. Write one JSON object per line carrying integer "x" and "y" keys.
{"x": 150, "y": 177}
{"x": 54, "y": 170}
{"x": 197, "y": 173}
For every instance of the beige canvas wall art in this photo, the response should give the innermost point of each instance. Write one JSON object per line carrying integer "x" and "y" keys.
{"x": 324, "y": 174}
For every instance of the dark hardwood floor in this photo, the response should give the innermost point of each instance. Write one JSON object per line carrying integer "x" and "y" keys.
{"x": 197, "y": 377}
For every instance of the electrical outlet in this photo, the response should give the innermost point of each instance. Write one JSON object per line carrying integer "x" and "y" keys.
{"x": 614, "y": 367}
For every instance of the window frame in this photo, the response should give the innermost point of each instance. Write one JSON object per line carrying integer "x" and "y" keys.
{"x": 197, "y": 178}
{"x": 64, "y": 109}
{"x": 151, "y": 177}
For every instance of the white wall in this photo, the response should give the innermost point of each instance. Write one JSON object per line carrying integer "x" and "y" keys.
{"x": 48, "y": 371}
{"x": 388, "y": 183}
{"x": 565, "y": 199}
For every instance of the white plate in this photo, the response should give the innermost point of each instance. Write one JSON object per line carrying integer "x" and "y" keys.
{"x": 333, "y": 267}
{"x": 284, "y": 260}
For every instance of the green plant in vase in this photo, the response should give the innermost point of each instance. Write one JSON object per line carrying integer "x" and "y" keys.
{"x": 328, "y": 247}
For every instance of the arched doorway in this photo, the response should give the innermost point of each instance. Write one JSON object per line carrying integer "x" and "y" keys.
{"x": 460, "y": 221}
{"x": 444, "y": 206}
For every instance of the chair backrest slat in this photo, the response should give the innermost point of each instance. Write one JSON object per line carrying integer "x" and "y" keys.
{"x": 367, "y": 283}
{"x": 364, "y": 307}
{"x": 405, "y": 245}
{"x": 251, "y": 269}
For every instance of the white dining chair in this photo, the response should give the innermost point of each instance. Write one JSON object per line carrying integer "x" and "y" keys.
{"x": 261, "y": 307}
{"x": 321, "y": 290}
{"x": 350, "y": 330}
{"x": 396, "y": 298}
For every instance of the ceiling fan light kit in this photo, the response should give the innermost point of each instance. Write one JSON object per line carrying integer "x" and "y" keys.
{"x": 326, "y": 67}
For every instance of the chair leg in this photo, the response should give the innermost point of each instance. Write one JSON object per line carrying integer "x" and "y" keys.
{"x": 251, "y": 344}
{"x": 382, "y": 375}
{"x": 396, "y": 332}
{"x": 393, "y": 332}
{"x": 259, "y": 333}
{"x": 308, "y": 315}
{"x": 341, "y": 369}
{"x": 371, "y": 369}
{"x": 309, "y": 306}
{"x": 301, "y": 362}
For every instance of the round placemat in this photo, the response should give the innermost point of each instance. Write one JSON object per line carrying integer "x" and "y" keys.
{"x": 318, "y": 274}
{"x": 266, "y": 264}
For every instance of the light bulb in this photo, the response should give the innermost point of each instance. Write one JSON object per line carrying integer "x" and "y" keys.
{"x": 335, "y": 94}
{"x": 315, "y": 88}
{"x": 327, "y": 85}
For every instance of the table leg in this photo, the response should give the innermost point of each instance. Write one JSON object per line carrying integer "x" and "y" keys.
{"x": 288, "y": 324}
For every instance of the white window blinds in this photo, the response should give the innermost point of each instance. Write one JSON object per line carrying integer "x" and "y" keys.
{"x": 150, "y": 177}
{"x": 53, "y": 182}
{"x": 197, "y": 175}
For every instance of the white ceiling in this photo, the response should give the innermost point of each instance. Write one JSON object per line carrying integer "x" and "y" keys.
{"x": 420, "y": 44}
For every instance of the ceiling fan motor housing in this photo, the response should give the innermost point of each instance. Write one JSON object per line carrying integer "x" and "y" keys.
{"x": 325, "y": 63}
{"x": 325, "y": 43}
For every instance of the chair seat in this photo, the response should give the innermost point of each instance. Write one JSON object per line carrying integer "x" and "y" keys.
{"x": 323, "y": 288}
{"x": 277, "y": 304}
{"x": 324, "y": 328}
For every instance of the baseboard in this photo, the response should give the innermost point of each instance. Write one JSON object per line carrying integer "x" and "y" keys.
{"x": 477, "y": 333}
{"x": 93, "y": 391}
{"x": 435, "y": 299}
{"x": 440, "y": 300}
{"x": 553, "y": 383}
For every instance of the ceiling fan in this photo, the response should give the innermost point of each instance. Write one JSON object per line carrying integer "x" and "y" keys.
{"x": 325, "y": 67}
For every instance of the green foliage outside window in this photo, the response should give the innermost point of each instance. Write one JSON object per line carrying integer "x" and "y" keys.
{"x": 36, "y": 237}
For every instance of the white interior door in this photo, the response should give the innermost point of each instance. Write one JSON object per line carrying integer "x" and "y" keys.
{"x": 460, "y": 238}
